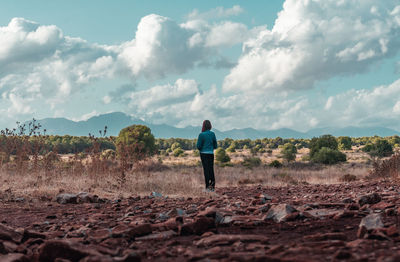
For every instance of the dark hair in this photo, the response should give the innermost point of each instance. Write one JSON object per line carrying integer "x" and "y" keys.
{"x": 206, "y": 125}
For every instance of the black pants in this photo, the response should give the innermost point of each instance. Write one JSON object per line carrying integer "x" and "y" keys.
{"x": 207, "y": 160}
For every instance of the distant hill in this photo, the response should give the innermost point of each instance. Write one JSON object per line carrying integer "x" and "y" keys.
{"x": 116, "y": 121}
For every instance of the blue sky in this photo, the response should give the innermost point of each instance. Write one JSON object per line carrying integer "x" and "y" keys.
{"x": 237, "y": 63}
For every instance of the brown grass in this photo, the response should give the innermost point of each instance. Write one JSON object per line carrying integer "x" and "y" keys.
{"x": 173, "y": 177}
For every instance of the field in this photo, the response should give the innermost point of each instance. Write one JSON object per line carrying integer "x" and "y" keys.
{"x": 159, "y": 211}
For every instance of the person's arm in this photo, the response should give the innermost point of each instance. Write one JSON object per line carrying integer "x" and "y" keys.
{"x": 215, "y": 144}
{"x": 199, "y": 142}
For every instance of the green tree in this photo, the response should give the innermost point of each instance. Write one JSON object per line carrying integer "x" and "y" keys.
{"x": 317, "y": 143}
{"x": 380, "y": 148}
{"x": 288, "y": 152}
{"x": 135, "y": 142}
{"x": 344, "y": 143}
{"x": 328, "y": 156}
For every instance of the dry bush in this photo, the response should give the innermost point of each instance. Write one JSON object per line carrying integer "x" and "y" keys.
{"x": 389, "y": 168}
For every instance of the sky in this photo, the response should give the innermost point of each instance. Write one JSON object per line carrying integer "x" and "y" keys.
{"x": 297, "y": 64}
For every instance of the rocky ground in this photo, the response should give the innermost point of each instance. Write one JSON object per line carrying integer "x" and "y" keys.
{"x": 353, "y": 222}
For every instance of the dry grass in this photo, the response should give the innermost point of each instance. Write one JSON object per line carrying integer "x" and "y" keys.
{"x": 181, "y": 176}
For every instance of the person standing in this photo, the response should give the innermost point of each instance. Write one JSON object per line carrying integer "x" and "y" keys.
{"x": 206, "y": 143}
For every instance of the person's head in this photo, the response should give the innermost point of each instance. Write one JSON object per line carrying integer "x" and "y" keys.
{"x": 206, "y": 125}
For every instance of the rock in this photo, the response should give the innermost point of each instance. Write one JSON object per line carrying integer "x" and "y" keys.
{"x": 163, "y": 217}
{"x": 158, "y": 236}
{"x": 14, "y": 257}
{"x": 382, "y": 205}
{"x": 176, "y": 212}
{"x": 170, "y": 224}
{"x": 7, "y": 233}
{"x": 368, "y": 223}
{"x": 155, "y": 194}
{"x": 120, "y": 230}
{"x": 279, "y": 212}
{"x": 392, "y": 231}
{"x": 369, "y": 199}
{"x": 130, "y": 257}
{"x": 139, "y": 230}
{"x": 342, "y": 254}
{"x": 100, "y": 234}
{"x": 19, "y": 199}
{"x": 84, "y": 197}
{"x": 198, "y": 227}
{"x": 348, "y": 200}
{"x": 372, "y": 221}
{"x": 8, "y": 247}
{"x": 73, "y": 251}
{"x": 101, "y": 258}
{"x": 223, "y": 239}
{"x": 65, "y": 198}
{"x": 326, "y": 236}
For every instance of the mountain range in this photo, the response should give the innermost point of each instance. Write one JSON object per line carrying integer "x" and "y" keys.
{"x": 117, "y": 120}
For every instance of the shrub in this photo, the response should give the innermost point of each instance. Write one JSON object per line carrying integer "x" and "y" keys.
{"x": 196, "y": 152}
{"x": 275, "y": 164}
{"x": 232, "y": 147}
{"x": 108, "y": 154}
{"x": 328, "y": 156}
{"x": 387, "y": 168}
{"x": 251, "y": 162}
{"x": 175, "y": 146}
{"x": 344, "y": 143}
{"x": 380, "y": 148}
{"x": 288, "y": 152}
{"x": 348, "y": 178}
{"x": 221, "y": 156}
{"x": 135, "y": 142}
{"x": 326, "y": 141}
{"x": 178, "y": 152}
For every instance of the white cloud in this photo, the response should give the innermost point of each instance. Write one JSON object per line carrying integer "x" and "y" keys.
{"x": 159, "y": 97}
{"x": 315, "y": 40}
{"x": 216, "y": 13}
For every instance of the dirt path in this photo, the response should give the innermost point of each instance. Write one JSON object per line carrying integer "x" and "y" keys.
{"x": 294, "y": 223}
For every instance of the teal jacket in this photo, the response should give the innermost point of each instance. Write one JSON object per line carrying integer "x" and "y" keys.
{"x": 207, "y": 142}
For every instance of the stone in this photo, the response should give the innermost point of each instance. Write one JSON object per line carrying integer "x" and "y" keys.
{"x": 224, "y": 239}
{"x": 372, "y": 221}
{"x": 176, "y": 212}
{"x": 348, "y": 200}
{"x": 369, "y": 199}
{"x": 342, "y": 254}
{"x": 279, "y": 212}
{"x": 392, "y": 231}
{"x": 326, "y": 236}
{"x": 130, "y": 257}
{"x": 84, "y": 197}
{"x": 65, "y": 198}
{"x": 65, "y": 249}
{"x": 382, "y": 205}
{"x": 198, "y": 227}
{"x": 100, "y": 234}
{"x": 7, "y": 233}
{"x": 170, "y": 224}
{"x": 158, "y": 236}
{"x": 120, "y": 230}
{"x": 14, "y": 257}
{"x": 9, "y": 247}
{"x": 155, "y": 194}
{"x": 101, "y": 258}
{"x": 139, "y": 230}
